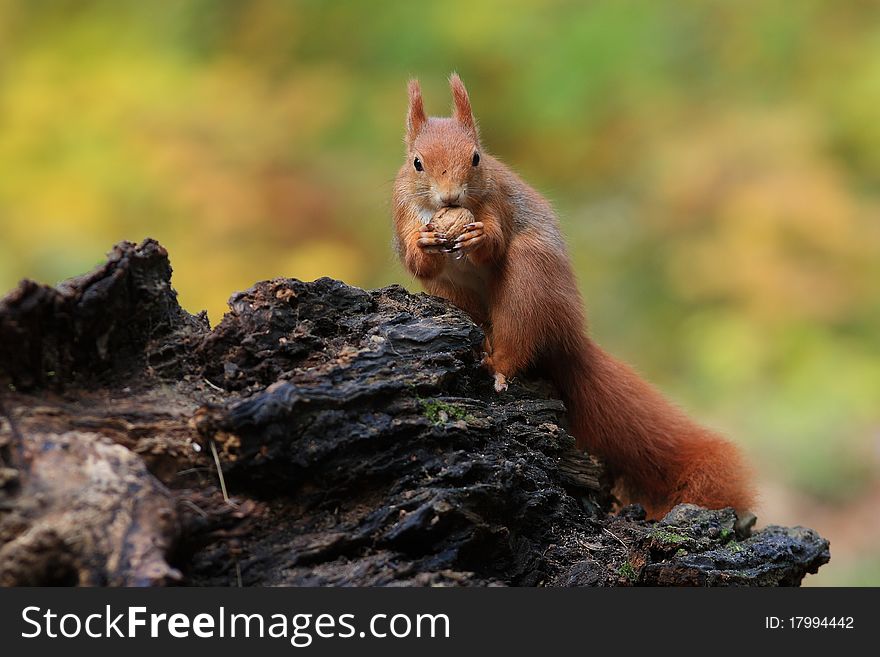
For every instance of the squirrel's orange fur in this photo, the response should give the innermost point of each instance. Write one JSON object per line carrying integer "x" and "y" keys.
{"x": 511, "y": 272}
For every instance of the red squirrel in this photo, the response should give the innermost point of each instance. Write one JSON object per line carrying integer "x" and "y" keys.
{"x": 510, "y": 271}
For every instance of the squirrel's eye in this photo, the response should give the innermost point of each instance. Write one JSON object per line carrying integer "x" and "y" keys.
{"x": 417, "y": 163}
{"x": 476, "y": 159}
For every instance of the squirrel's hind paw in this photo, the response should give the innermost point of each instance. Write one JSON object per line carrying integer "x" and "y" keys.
{"x": 500, "y": 382}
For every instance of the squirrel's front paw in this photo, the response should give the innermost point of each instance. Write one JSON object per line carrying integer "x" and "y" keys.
{"x": 471, "y": 238}
{"x": 431, "y": 241}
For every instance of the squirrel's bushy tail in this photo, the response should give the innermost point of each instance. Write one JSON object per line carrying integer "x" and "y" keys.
{"x": 660, "y": 456}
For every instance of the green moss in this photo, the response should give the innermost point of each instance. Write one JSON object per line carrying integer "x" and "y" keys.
{"x": 726, "y": 534}
{"x": 681, "y": 552}
{"x": 440, "y": 412}
{"x": 667, "y": 537}
{"x": 733, "y": 546}
{"x": 627, "y": 571}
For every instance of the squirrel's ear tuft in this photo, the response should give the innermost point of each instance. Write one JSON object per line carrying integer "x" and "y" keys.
{"x": 415, "y": 118}
{"x": 461, "y": 104}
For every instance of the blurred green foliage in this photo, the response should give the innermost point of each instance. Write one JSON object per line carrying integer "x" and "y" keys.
{"x": 716, "y": 166}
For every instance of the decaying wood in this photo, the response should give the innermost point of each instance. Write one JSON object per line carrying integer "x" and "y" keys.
{"x": 360, "y": 441}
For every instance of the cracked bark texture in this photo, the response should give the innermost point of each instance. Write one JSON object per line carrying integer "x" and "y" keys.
{"x": 359, "y": 441}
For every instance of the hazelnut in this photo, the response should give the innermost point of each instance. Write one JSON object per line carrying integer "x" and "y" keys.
{"x": 451, "y": 221}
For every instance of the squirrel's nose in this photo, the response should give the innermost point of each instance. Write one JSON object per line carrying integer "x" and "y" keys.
{"x": 450, "y": 197}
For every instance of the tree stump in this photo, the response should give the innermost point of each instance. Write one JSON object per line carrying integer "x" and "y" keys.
{"x": 359, "y": 442}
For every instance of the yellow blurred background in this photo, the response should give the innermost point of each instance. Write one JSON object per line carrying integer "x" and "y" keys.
{"x": 716, "y": 167}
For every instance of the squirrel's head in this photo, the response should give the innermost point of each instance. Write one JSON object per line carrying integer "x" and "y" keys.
{"x": 443, "y": 154}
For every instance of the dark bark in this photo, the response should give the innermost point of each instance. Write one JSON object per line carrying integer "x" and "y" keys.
{"x": 360, "y": 442}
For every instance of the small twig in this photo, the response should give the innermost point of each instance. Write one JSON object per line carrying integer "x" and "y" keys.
{"x": 238, "y": 573}
{"x": 619, "y": 540}
{"x": 213, "y": 385}
{"x": 219, "y": 470}
{"x": 188, "y": 471}
{"x": 589, "y": 547}
{"x": 195, "y": 508}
